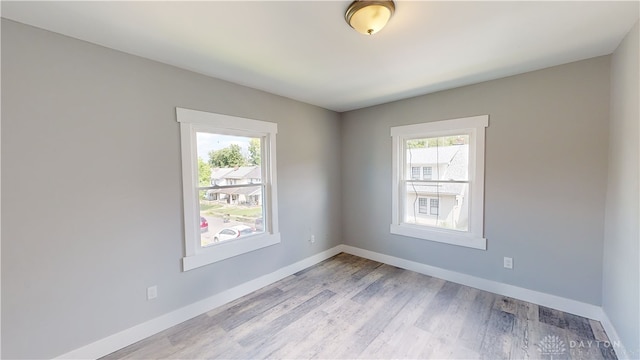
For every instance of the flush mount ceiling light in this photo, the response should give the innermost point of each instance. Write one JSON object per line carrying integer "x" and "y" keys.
{"x": 369, "y": 17}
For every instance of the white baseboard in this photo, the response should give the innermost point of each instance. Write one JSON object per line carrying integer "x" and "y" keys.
{"x": 129, "y": 336}
{"x": 621, "y": 351}
{"x": 132, "y": 335}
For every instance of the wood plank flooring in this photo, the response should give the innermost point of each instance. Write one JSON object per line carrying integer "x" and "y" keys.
{"x": 349, "y": 308}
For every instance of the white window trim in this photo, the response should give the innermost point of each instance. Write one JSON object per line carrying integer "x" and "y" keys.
{"x": 192, "y": 121}
{"x": 475, "y": 127}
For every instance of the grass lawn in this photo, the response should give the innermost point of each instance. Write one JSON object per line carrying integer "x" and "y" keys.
{"x": 219, "y": 210}
{"x": 204, "y": 206}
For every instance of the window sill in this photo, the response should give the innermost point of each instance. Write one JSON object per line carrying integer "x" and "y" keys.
{"x": 442, "y": 236}
{"x": 226, "y": 250}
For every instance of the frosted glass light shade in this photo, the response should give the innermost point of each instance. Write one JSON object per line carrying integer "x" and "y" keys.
{"x": 369, "y": 17}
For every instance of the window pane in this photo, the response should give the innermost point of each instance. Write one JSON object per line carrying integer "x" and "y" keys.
{"x": 422, "y": 206}
{"x": 229, "y": 213}
{"x": 443, "y": 205}
{"x": 427, "y": 173}
{"x": 226, "y": 151}
{"x": 441, "y": 158}
{"x": 434, "y": 207}
{"x": 415, "y": 173}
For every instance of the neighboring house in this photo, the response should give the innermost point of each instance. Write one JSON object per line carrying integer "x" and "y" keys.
{"x": 242, "y": 175}
{"x": 437, "y": 203}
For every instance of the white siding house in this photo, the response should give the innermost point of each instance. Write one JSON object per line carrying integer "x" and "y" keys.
{"x": 430, "y": 202}
{"x": 242, "y": 175}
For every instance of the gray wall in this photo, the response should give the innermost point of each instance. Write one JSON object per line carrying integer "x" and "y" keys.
{"x": 621, "y": 270}
{"x": 546, "y": 171}
{"x": 92, "y": 199}
{"x": 92, "y": 204}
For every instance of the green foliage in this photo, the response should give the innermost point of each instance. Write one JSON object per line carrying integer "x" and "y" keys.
{"x": 254, "y": 151}
{"x": 208, "y": 205}
{"x": 243, "y": 211}
{"x": 230, "y": 156}
{"x": 204, "y": 173}
{"x": 439, "y": 141}
{"x": 416, "y": 143}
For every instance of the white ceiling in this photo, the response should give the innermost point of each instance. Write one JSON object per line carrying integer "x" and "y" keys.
{"x": 304, "y": 50}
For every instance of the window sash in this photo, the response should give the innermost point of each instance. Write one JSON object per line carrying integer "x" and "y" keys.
{"x": 432, "y": 210}
{"x": 474, "y": 127}
{"x": 264, "y": 171}
{"x": 191, "y": 122}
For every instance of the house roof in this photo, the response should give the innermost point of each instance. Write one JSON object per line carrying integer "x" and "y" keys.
{"x": 458, "y": 165}
{"x": 238, "y": 191}
{"x": 433, "y": 188}
{"x": 219, "y": 173}
{"x": 242, "y": 172}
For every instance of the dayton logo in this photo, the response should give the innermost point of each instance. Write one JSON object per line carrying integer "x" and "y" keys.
{"x": 551, "y": 345}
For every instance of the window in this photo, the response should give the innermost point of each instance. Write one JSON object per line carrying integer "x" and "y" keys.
{"x": 415, "y": 173}
{"x": 447, "y": 203}
{"x": 229, "y": 180}
{"x": 435, "y": 204}
{"x": 427, "y": 173}
{"x": 423, "y": 208}
{"x": 428, "y": 206}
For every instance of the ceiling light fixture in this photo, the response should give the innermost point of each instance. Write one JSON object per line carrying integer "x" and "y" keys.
{"x": 369, "y": 17}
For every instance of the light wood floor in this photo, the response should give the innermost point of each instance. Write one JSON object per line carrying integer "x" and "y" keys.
{"x": 349, "y": 307}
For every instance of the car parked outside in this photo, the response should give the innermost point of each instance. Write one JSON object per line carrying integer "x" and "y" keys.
{"x": 232, "y": 233}
{"x": 204, "y": 225}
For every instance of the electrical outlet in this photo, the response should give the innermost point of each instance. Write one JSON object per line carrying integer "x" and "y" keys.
{"x": 152, "y": 292}
{"x": 312, "y": 239}
{"x": 508, "y": 262}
